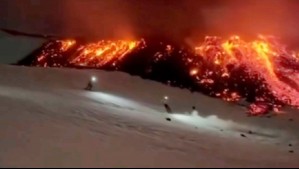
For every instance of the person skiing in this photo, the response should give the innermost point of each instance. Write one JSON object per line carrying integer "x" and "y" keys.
{"x": 166, "y": 106}
{"x": 89, "y": 86}
{"x": 90, "y": 83}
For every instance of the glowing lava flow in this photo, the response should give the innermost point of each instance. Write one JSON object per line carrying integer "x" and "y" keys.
{"x": 261, "y": 71}
{"x": 57, "y": 53}
{"x": 103, "y": 52}
{"x": 262, "y": 60}
{"x": 53, "y": 53}
{"x": 67, "y": 44}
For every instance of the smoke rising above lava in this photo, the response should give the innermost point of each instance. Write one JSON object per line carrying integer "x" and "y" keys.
{"x": 188, "y": 20}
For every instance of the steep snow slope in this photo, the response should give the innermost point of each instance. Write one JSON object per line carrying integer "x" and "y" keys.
{"x": 47, "y": 120}
{"x": 15, "y": 48}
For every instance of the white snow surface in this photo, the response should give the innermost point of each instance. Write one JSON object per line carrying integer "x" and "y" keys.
{"x": 15, "y": 48}
{"x": 48, "y": 120}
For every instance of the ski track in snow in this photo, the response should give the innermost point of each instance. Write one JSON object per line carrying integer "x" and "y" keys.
{"x": 48, "y": 120}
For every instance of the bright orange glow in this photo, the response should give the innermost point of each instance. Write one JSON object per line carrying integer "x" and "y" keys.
{"x": 260, "y": 57}
{"x": 262, "y": 70}
{"x": 103, "y": 52}
{"x": 193, "y": 72}
{"x": 67, "y": 44}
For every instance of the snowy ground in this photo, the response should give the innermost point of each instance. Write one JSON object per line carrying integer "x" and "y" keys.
{"x": 15, "y": 48}
{"x": 47, "y": 120}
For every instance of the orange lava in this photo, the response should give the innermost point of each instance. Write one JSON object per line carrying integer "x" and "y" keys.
{"x": 261, "y": 57}
{"x": 233, "y": 69}
{"x": 103, "y": 52}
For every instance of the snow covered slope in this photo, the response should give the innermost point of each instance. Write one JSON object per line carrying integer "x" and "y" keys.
{"x": 3, "y": 34}
{"x": 47, "y": 120}
{"x": 15, "y": 48}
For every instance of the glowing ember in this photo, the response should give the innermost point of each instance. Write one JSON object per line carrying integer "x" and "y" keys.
{"x": 258, "y": 108}
{"x": 193, "y": 72}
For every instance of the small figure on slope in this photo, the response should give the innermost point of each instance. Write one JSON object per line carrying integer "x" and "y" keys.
{"x": 194, "y": 111}
{"x": 166, "y": 106}
{"x": 89, "y": 86}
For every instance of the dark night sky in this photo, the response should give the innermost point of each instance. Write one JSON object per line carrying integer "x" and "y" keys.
{"x": 180, "y": 19}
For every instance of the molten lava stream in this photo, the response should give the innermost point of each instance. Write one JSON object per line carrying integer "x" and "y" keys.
{"x": 261, "y": 71}
{"x": 261, "y": 57}
{"x": 103, "y": 52}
